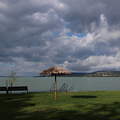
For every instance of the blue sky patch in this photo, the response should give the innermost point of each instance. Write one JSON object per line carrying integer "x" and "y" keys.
{"x": 76, "y": 34}
{"x": 56, "y": 34}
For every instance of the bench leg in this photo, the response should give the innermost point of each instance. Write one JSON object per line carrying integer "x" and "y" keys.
{"x": 7, "y": 92}
{"x": 27, "y": 91}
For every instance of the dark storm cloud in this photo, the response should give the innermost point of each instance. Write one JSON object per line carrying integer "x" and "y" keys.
{"x": 82, "y": 13}
{"x": 23, "y": 24}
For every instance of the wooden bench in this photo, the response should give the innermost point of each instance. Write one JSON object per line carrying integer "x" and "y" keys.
{"x": 18, "y": 88}
{"x": 14, "y": 88}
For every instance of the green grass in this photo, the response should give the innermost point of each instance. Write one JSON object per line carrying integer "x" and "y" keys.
{"x": 99, "y": 105}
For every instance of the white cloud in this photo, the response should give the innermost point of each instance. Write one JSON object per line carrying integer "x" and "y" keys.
{"x": 3, "y": 5}
{"x": 95, "y": 63}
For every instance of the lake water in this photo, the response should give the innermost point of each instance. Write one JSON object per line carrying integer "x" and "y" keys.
{"x": 74, "y": 83}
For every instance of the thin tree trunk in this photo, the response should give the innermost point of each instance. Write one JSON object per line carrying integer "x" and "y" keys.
{"x": 55, "y": 87}
{"x": 7, "y": 86}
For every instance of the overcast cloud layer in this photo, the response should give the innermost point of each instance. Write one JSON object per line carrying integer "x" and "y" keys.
{"x": 81, "y": 35}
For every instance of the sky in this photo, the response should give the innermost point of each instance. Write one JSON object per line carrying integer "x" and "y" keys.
{"x": 80, "y": 35}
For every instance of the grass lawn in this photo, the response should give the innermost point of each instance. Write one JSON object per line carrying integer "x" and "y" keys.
{"x": 99, "y": 105}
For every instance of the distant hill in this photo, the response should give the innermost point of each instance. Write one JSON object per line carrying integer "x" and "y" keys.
{"x": 94, "y": 74}
{"x": 99, "y": 74}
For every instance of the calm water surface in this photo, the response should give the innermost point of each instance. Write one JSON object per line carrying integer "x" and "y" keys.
{"x": 75, "y": 83}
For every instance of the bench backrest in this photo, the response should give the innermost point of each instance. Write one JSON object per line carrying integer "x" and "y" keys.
{"x": 3, "y": 88}
{"x": 19, "y": 88}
